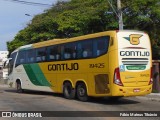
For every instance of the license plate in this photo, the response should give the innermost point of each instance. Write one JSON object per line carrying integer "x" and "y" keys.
{"x": 136, "y": 90}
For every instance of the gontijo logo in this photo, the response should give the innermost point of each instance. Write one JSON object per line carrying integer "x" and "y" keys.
{"x": 134, "y": 39}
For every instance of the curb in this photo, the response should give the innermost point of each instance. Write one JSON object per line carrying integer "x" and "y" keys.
{"x": 151, "y": 97}
{"x": 154, "y": 94}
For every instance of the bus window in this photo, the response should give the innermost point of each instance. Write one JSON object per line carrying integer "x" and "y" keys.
{"x": 54, "y": 53}
{"x": 40, "y": 54}
{"x": 30, "y": 55}
{"x": 21, "y": 59}
{"x": 101, "y": 46}
{"x": 11, "y": 63}
{"x": 85, "y": 49}
{"x": 70, "y": 51}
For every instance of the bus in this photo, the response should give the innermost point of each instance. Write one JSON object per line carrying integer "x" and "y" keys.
{"x": 112, "y": 63}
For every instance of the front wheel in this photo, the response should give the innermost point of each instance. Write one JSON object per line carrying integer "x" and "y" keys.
{"x": 82, "y": 92}
{"x": 19, "y": 88}
{"x": 68, "y": 91}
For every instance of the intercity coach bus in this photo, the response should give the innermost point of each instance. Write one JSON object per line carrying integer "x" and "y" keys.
{"x": 110, "y": 63}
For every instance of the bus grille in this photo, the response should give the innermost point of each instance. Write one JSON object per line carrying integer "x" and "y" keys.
{"x": 135, "y": 61}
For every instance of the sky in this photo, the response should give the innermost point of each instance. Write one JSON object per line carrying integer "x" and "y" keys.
{"x": 13, "y": 18}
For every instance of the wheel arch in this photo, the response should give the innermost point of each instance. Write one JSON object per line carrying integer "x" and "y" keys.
{"x": 67, "y": 80}
{"x": 81, "y": 81}
{"x": 18, "y": 80}
{"x": 68, "y": 89}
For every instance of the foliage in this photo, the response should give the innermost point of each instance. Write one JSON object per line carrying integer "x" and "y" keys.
{"x": 79, "y": 17}
{"x": 144, "y": 15}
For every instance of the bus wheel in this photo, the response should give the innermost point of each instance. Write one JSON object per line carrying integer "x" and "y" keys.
{"x": 19, "y": 88}
{"x": 68, "y": 91}
{"x": 82, "y": 92}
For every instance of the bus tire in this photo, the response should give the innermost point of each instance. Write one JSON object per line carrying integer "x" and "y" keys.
{"x": 19, "y": 87}
{"x": 82, "y": 92}
{"x": 68, "y": 91}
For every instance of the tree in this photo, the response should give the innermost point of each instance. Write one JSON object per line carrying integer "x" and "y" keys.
{"x": 144, "y": 15}
{"x": 80, "y": 17}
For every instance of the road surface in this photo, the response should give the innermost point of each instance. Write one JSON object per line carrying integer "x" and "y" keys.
{"x": 41, "y": 101}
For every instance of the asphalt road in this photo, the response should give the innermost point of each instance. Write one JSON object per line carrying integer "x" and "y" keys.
{"x": 42, "y": 101}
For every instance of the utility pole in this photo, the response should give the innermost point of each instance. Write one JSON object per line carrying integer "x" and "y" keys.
{"x": 120, "y": 21}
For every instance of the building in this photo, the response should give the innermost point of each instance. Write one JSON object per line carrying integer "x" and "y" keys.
{"x": 3, "y": 58}
{"x": 3, "y": 55}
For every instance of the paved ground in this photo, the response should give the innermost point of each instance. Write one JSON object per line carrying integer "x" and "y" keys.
{"x": 10, "y": 100}
{"x": 151, "y": 97}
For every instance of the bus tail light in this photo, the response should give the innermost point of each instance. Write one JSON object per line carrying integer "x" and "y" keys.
{"x": 117, "y": 77}
{"x": 151, "y": 77}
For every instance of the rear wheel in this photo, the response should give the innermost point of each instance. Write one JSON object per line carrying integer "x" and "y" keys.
{"x": 68, "y": 91}
{"x": 19, "y": 87}
{"x": 82, "y": 92}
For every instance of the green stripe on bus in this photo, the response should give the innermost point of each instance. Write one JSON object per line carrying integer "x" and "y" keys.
{"x": 36, "y": 75}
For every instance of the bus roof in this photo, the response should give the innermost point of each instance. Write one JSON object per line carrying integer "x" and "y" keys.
{"x": 59, "y": 41}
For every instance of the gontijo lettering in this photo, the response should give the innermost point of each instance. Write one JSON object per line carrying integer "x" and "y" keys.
{"x": 134, "y": 53}
{"x": 63, "y": 67}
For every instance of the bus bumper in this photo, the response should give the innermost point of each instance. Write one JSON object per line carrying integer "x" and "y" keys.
{"x": 132, "y": 91}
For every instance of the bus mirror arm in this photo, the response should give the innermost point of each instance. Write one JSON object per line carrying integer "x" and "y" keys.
{"x": 9, "y": 59}
{"x": 6, "y": 62}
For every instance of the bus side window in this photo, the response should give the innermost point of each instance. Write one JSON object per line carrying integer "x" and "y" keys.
{"x": 54, "y": 53}
{"x": 70, "y": 51}
{"x": 41, "y": 54}
{"x": 79, "y": 50}
{"x": 101, "y": 46}
{"x": 51, "y": 53}
{"x": 21, "y": 57}
{"x": 12, "y": 61}
{"x": 87, "y": 49}
{"x": 67, "y": 52}
{"x": 59, "y": 52}
{"x": 30, "y": 55}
